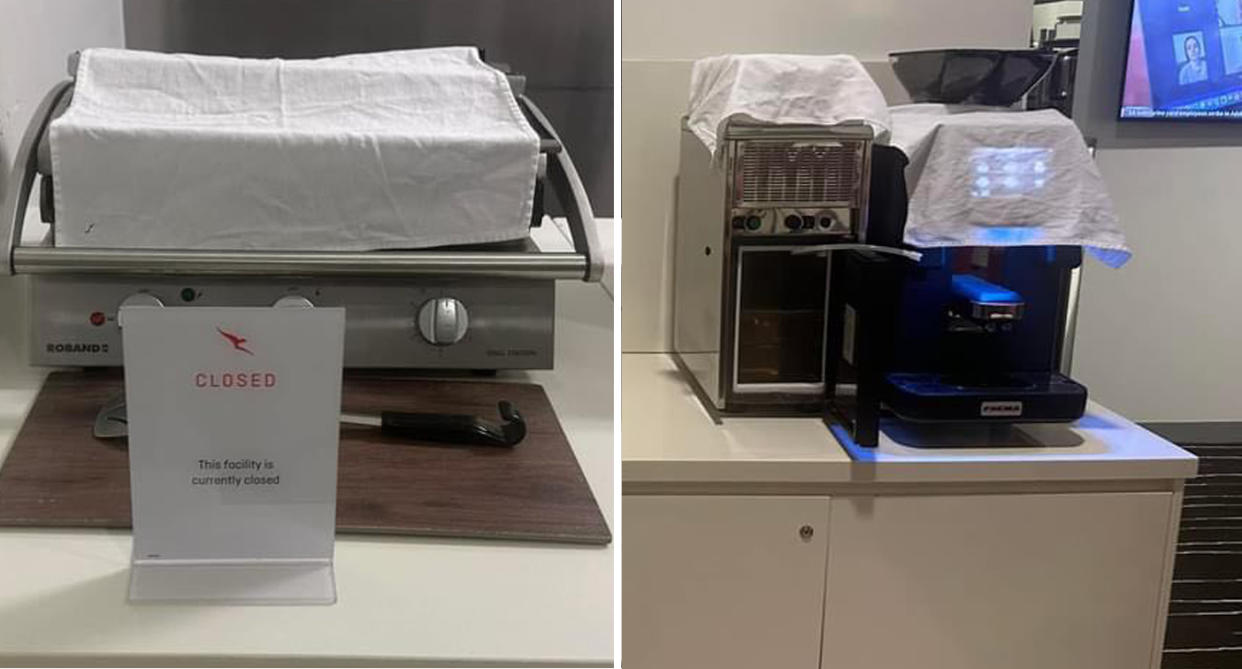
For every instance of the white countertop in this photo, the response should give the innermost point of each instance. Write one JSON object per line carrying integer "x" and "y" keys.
{"x": 401, "y": 600}
{"x": 670, "y": 438}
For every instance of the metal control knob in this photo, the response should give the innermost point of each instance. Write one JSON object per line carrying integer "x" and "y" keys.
{"x": 443, "y": 321}
{"x": 293, "y": 302}
{"x": 137, "y": 300}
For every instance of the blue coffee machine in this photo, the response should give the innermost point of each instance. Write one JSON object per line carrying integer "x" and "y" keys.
{"x": 968, "y": 334}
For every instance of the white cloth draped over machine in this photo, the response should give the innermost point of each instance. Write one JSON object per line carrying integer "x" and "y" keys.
{"x": 783, "y": 89}
{"x": 985, "y": 176}
{"x": 978, "y": 176}
{"x": 403, "y": 149}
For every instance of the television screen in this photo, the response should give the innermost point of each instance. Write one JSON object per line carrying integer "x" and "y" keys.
{"x": 1184, "y": 60}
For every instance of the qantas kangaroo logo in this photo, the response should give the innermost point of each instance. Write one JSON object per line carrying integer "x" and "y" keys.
{"x": 237, "y": 341}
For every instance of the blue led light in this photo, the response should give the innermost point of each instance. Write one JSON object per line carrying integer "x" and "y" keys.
{"x": 1005, "y": 235}
{"x": 971, "y": 287}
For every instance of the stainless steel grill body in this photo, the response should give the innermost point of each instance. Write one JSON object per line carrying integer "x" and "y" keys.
{"x": 500, "y": 298}
{"x": 749, "y": 307}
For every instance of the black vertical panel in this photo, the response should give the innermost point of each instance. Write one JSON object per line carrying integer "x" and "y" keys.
{"x": 564, "y": 47}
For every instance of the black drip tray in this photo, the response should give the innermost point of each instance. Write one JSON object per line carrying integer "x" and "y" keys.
{"x": 1018, "y": 397}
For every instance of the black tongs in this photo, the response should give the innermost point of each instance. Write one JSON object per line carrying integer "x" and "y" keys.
{"x": 447, "y": 428}
{"x": 112, "y": 422}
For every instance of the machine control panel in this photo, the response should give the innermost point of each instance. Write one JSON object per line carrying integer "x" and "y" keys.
{"x": 422, "y": 324}
{"x": 791, "y": 221}
{"x": 443, "y": 321}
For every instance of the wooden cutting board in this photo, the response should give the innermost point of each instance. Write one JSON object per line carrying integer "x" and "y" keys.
{"x": 59, "y": 475}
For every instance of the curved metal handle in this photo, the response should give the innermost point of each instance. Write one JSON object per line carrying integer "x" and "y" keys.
{"x": 45, "y": 260}
{"x": 21, "y": 181}
{"x": 572, "y": 195}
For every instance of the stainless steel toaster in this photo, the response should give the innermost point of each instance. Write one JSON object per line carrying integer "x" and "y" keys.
{"x": 750, "y": 292}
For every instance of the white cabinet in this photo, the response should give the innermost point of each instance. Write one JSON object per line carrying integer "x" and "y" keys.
{"x": 723, "y": 582}
{"x": 1021, "y": 581}
{"x": 936, "y": 581}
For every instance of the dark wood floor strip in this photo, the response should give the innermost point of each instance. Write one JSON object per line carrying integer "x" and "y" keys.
{"x": 1205, "y": 612}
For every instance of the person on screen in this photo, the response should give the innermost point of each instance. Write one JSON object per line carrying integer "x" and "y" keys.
{"x": 1195, "y": 68}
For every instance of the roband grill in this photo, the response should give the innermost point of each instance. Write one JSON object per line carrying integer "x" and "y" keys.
{"x": 482, "y": 307}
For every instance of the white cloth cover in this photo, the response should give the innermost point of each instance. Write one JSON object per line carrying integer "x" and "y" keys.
{"x": 401, "y": 149}
{"x": 990, "y": 177}
{"x": 782, "y": 89}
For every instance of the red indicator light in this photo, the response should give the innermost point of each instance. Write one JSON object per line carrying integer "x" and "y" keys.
{"x": 98, "y": 318}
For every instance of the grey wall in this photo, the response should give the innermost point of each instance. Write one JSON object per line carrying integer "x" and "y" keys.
{"x": 35, "y": 40}
{"x": 564, "y": 47}
{"x": 1157, "y": 339}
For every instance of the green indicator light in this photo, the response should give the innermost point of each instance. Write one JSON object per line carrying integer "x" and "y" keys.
{"x": 187, "y": 295}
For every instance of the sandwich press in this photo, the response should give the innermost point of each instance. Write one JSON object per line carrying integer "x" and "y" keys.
{"x": 112, "y": 422}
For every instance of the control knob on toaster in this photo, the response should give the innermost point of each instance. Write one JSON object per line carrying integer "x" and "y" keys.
{"x": 137, "y": 300}
{"x": 443, "y": 321}
{"x": 293, "y": 302}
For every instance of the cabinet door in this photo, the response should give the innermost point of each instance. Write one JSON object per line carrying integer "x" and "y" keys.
{"x": 722, "y": 582}
{"x": 1071, "y": 581}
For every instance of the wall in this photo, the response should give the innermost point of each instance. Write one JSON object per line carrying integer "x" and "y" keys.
{"x": 564, "y": 47}
{"x": 1157, "y": 339}
{"x": 35, "y": 39}
{"x": 1047, "y": 12}
{"x": 660, "y": 40}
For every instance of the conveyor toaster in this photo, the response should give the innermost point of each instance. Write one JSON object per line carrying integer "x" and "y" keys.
{"x": 754, "y": 242}
{"x": 480, "y": 307}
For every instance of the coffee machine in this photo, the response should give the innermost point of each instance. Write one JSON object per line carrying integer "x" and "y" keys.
{"x": 966, "y": 334}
